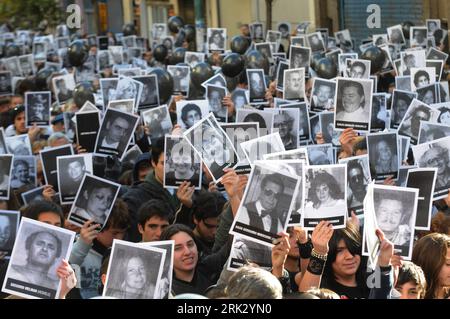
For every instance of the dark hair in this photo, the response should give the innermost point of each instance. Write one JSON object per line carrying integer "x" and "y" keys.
{"x": 354, "y": 165}
{"x": 154, "y": 207}
{"x": 214, "y": 33}
{"x": 208, "y": 205}
{"x": 422, "y": 108}
{"x": 37, "y": 207}
{"x": 276, "y": 179}
{"x": 352, "y": 239}
{"x": 16, "y": 111}
{"x": 29, "y": 241}
{"x": 320, "y": 178}
{"x": 410, "y": 272}
{"x": 255, "y": 117}
{"x": 157, "y": 150}
{"x": 419, "y": 74}
{"x": 187, "y": 108}
{"x": 360, "y": 64}
{"x": 174, "y": 229}
{"x": 119, "y": 217}
{"x": 443, "y": 110}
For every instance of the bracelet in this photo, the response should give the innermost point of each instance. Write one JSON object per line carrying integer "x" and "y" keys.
{"x": 305, "y": 249}
{"x": 316, "y": 265}
{"x": 314, "y": 253}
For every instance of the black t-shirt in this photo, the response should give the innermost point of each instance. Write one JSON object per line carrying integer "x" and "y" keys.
{"x": 345, "y": 292}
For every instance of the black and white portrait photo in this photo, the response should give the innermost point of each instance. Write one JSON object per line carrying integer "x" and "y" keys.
{"x": 438, "y": 67}
{"x": 62, "y": 42}
{"x": 429, "y": 94}
{"x": 48, "y": 159}
{"x": 344, "y": 39}
{"x": 40, "y": 51}
{"x": 266, "y": 205}
{"x": 239, "y": 98}
{"x": 358, "y": 178}
{"x": 424, "y": 179}
{"x": 395, "y": 211}
{"x": 353, "y": 104}
{"x": 71, "y": 170}
{"x": 168, "y": 42}
{"x": 12, "y": 64}
{"x": 34, "y": 194}
{"x": 217, "y": 39}
{"x": 38, "y": 252}
{"x": 323, "y": 93}
{"x": 181, "y": 163}
{"x": 286, "y": 123}
{"x": 190, "y": 112}
{"x": 417, "y": 112}
{"x": 379, "y": 113}
{"x": 94, "y": 200}
{"x": 37, "y": 108}
{"x": 325, "y": 191}
{"x": 256, "y": 86}
{"x": 329, "y": 133}
{"x": 129, "y": 41}
{"x": 115, "y": 132}
{"x": 215, "y": 96}
{"x": 299, "y": 57}
{"x": 158, "y": 120}
{"x": 3, "y": 147}
{"x": 217, "y": 80}
{"x": 128, "y": 88}
{"x": 256, "y": 149}
{"x": 19, "y": 145}
{"x": 6, "y": 83}
{"x": 316, "y": 42}
{"x": 435, "y": 54}
{"x": 244, "y": 252}
{"x": 263, "y": 118}
{"x": 213, "y": 146}
{"x": 411, "y": 59}
{"x": 384, "y": 155}
{"x": 104, "y": 60}
{"x": 257, "y": 31}
{"x": 418, "y": 37}
{"x": 294, "y": 84}
{"x": 122, "y": 105}
{"x": 193, "y": 58}
{"x": 436, "y": 154}
{"x": 116, "y": 53}
{"x": 108, "y": 89}
{"x": 149, "y": 96}
{"x": 9, "y": 225}
{"x": 421, "y": 77}
{"x": 400, "y": 103}
{"x": 403, "y": 83}
{"x": 273, "y": 36}
{"x": 395, "y": 34}
{"x": 181, "y": 78}
{"x": 299, "y": 40}
{"x": 159, "y": 31}
{"x": 432, "y": 131}
{"x": 63, "y": 87}
{"x": 134, "y": 271}
{"x": 24, "y": 172}
{"x": 342, "y": 59}
{"x": 285, "y": 29}
{"x": 238, "y": 134}
{"x": 6, "y": 162}
{"x": 87, "y": 127}
{"x": 265, "y": 49}
{"x": 321, "y": 154}
{"x": 357, "y": 69}
{"x": 26, "y": 63}
{"x": 281, "y": 67}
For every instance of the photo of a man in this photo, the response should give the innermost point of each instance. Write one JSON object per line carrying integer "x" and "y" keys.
{"x": 257, "y": 86}
{"x": 323, "y": 92}
{"x": 190, "y": 112}
{"x": 64, "y": 86}
{"x": 5, "y": 175}
{"x": 294, "y": 84}
{"x": 71, "y": 170}
{"x": 215, "y": 95}
{"x": 37, "y": 108}
{"x": 115, "y": 132}
{"x": 5, "y": 83}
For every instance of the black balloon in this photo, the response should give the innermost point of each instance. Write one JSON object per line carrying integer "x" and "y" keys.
{"x": 128, "y": 29}
{"x": 180, "y": 38}
{"x": 165, "y": 84}
{"x": 175, "y": 23}
{"x": 376, "y": 56}
{"x": 326, "y": 68}
{"x": 42, "y": 78}
{"x": 160, "y": 53}
{"x": 232, "y": 83}
{"x": 84, "y": 91}
{"x": 177, "y": 56}
{"x": 239, "y": 44}
{"x": 189, "y": 29}
{"x": 406, "y": 27}
{"x": 200, "y": 73}
{"x": 77, "y": 53}
{"x": 315, "y": 58}
{"x": 12, "y": 49}
{"x": 256, "y": 60}
{"x": 232, "y": 65}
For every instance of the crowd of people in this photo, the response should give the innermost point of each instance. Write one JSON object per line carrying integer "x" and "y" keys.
{"x": 130, "y": 202}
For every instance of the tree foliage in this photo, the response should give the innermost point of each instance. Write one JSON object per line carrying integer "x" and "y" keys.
{"x": 28, "y": 14}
